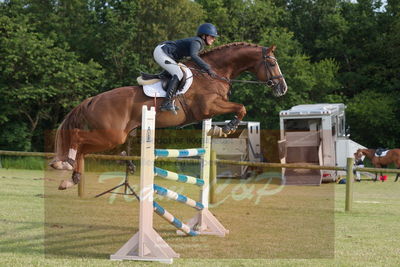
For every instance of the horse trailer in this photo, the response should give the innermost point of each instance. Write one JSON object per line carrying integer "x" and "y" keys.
{"x": 242, "y": 145}
{"x": 314, "y": 134}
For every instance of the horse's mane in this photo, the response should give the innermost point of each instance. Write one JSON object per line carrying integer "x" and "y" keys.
{"x": 223, "y": 47}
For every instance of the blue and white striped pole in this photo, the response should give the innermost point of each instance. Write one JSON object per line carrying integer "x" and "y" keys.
{"x": 178, "y": 177}
{"x": 178, "y": 197}
{"x": 172, "y": 220}
{"x": 179, "y": 153}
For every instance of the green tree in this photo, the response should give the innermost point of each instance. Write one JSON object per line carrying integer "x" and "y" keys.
{"x": 39, "y": 81}
{"x": 161, "y": 20}
{"x": 115, "y": 25}
{"x": 313, "y": 22}
{"x": 242, "y": 20}
{"x": 374, "y": 120}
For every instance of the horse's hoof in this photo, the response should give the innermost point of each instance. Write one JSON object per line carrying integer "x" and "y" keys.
{"x": 56, "y": 164}
{"x": 65, "y": 184}
{"x": 213, "y": 131}
{"x": 67, "y": 166}
{"x": 61, "y": 165}
{"x": 216, "y": 131}
{"x": 226, "y": 130}
{"x": 76, "y": 177}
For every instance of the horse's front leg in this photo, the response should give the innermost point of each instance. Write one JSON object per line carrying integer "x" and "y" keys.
{"x": 224, "y": 107}
{"x": 376, "y": 176}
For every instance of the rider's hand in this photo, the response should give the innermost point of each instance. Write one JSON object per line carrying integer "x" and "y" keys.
{"x": 212, "y": 73}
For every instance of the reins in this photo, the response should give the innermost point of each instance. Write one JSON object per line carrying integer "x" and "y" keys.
{"x": 221, "y": 78}
{"x": 269, "y": 83}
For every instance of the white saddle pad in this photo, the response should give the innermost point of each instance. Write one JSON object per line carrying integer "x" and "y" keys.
{"x": 383, "y": 154}
{"x": 156, "y": 90}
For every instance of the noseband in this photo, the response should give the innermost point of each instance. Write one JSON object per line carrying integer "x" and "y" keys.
{"x": 270, "y": 82}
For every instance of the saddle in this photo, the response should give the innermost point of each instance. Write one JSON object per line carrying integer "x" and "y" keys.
{"x": 381, "y": 152}
{"x": 163, "y": 77}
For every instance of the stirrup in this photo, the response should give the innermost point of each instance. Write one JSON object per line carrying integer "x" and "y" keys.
{"x": 169, "y": 106}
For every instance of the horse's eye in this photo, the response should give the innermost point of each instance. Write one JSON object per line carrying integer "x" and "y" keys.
{"x": 271, "y": 63}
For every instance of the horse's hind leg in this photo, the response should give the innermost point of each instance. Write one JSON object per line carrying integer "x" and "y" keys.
{"x": 88, "y": 142}
{"x": 69, "y": 162}
{"x": 75, "y": 158}
{"x": 76, "y": 175}
{"x": 397, "y": 164}
{"x": 397, "y": 176}
{"x": 73, "y": 150}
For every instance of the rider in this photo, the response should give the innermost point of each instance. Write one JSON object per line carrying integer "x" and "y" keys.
{"x": 168, "y": 53}
{"x": 358, "y": 163}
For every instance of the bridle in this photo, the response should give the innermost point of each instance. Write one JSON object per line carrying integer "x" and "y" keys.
{"x": 268, "y": 66}
{"x": 270, "y": 83}
{"x": 268, "y": 69}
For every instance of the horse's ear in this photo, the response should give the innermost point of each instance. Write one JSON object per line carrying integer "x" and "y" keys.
{"x": 272, "y": 48}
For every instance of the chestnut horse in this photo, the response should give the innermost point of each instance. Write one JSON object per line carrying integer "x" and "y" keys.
{"x": 104, "y": 121}
{"x": 392, "y": 156}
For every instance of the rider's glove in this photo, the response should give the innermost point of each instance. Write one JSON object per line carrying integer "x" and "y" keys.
{"x": 212, "y": 73}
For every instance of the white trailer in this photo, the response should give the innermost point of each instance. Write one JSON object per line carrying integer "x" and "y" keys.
{"x": 314, "y": 134}
{"x": 242, "y": 145}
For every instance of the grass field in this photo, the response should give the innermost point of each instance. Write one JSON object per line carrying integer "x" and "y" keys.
{"x": 269, "y": 225}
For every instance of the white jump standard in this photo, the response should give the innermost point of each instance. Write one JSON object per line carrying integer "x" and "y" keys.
{"x": 147, "y": 244}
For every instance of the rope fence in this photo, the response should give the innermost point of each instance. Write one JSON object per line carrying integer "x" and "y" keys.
{"x": 349, "y": 168}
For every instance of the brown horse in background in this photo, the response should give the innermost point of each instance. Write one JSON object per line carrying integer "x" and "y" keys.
{"x": 392, "y": 156}
{"x": 104, "y": 121}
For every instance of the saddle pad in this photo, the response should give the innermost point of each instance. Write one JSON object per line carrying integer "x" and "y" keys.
{"x": 156, "y": 90}
{"x": 382, "y": 154}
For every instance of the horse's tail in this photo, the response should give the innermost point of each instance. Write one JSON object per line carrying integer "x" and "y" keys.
{"x": 73, "y": 120}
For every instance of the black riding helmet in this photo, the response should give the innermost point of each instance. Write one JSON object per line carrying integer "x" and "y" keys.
{"x": 208, "y": 29}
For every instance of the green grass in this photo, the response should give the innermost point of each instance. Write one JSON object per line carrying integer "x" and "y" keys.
{"x": 298, "y": 226}
{"x": 25, "y": 163}
{"x": 91, "y": 164}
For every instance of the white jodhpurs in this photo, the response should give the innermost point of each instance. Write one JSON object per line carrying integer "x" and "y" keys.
{"x": 160, "y": 57}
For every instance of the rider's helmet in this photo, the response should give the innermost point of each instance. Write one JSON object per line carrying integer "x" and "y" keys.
{"x": 207, "y": 28}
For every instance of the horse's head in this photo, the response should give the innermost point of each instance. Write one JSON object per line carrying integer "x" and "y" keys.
{"x": 268, "y": 70}
{"x": 359, "y": 154}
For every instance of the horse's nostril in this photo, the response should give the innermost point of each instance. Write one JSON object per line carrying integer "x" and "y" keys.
{"x": 282, "y": 88}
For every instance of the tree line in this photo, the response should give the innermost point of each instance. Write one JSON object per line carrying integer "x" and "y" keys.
{"x": 55, "y": 53}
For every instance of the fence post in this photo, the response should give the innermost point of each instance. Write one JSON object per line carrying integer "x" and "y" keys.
{"x": 349, "y": 184}
{"x": 213, "y": 176}
{"x": 81, "y": 184}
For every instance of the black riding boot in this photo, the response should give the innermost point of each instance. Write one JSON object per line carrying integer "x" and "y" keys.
{"x": 172, "y": 86}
